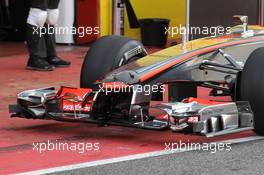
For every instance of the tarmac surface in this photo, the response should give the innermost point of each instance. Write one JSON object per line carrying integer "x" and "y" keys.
{"x": 243, "y": 159}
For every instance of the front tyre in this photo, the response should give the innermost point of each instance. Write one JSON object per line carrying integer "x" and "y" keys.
{"x": 252, "y": 87}
{"x": 107, "y": 54}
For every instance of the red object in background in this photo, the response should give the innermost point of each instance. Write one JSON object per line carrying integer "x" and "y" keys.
{"x": 87, "y": 15}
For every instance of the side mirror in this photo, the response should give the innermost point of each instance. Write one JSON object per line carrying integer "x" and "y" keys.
{"x": 241, "y": 20}
{"x": 237, "y": 19}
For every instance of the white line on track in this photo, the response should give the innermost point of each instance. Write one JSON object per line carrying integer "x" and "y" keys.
{"x": 129, "y": 158}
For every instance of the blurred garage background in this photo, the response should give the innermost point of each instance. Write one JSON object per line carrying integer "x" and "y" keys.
{"x": 112, "y": 15}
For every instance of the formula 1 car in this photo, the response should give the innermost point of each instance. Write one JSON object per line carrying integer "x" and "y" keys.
{"x": 121, "y": 84}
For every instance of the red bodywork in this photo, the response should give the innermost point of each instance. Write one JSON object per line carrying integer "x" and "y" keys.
{"x": 68, "y": 95}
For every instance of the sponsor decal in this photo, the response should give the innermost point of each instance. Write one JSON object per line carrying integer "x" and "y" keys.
{"x": 77, "y": 107}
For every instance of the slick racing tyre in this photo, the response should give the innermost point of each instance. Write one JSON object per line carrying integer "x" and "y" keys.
{"x": 105, "y": 55}
{"x": 252, "y": 87}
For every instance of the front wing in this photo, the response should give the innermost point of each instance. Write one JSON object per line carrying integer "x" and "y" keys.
{"x": 80, "y": 105}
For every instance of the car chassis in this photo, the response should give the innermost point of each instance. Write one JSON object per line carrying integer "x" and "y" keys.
{"x": 191, "y": 115}
{"x": 183, "y": 112}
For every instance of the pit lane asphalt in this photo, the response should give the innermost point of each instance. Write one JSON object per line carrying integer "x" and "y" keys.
{"x": 246, "y": 158}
